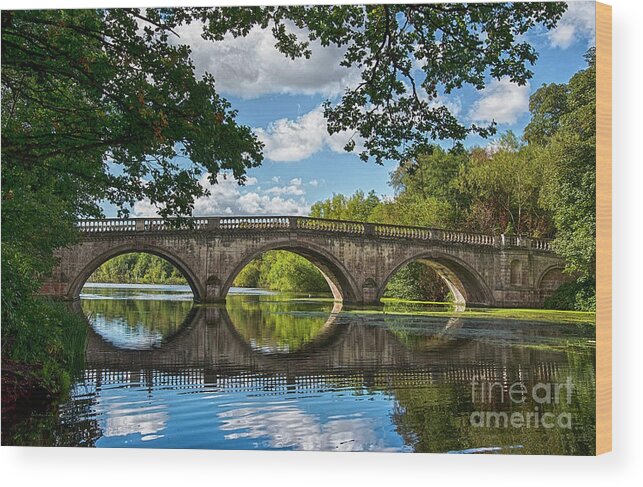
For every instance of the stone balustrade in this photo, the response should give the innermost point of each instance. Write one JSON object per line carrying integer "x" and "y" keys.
{"x": 268, "y": 223}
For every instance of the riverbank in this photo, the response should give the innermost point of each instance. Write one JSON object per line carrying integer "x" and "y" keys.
{"x": 22, "y": 383}
{"x": 430, "y": 308}
{"x": 43, "y": 348}
{"x": 394, "y": 306}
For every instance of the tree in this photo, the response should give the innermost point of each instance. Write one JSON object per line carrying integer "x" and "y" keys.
{"x": 427, "y": 190}
{"x": 504, "y": 185}
{"x": 139, "y": 267}
{"x": 358, "y": 207}
{"x": 417, "y": 281}
{"x": 569, "y": 154}
{"x": 292, "y": 273}
{"x": 563, "y": 127}
{"x": 250, "y": 275}
{"x": 547, "y": 105}
{"x": 100, "y": 104}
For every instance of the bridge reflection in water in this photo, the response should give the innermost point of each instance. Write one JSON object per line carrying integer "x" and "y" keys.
{"x": 361, "y": 382}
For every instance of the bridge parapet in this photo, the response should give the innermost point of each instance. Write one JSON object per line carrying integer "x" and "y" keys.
{"x": 343, "y": 227}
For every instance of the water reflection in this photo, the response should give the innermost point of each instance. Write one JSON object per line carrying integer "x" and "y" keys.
{"x": 275, "y": 373}
{"x": 273, "y": 324}
{"x": 136, "y": 317}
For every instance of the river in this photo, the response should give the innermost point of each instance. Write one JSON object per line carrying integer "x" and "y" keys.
{"x": 286, "y": 372}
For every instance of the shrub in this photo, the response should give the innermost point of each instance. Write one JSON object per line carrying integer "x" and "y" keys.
{"x": 577, "y": 296}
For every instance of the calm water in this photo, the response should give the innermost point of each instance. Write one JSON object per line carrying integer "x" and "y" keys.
{"x": 269, "y": 371}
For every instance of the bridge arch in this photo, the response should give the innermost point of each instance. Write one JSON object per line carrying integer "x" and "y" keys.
{"x": 340, "y": 281}
{"x": 552, "y": 275}
{"x": 464, "y": 282}
{"x": 550, "y": 280}
{"x": 88, "y": 269}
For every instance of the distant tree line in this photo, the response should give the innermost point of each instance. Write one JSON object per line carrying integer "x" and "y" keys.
{"x": 138, "y": 268}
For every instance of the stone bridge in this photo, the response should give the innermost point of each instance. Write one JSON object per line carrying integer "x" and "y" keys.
{"x": 357, "y": 259}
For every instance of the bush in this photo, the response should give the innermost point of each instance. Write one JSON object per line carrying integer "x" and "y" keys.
{"x": 577, "y": 296}
{"x": 38, "y": 331}
{"x": 417, "y": 282}
{"x": 50, "y": 335}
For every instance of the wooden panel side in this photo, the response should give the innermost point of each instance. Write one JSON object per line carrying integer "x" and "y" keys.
{"x": 603, "y": 228}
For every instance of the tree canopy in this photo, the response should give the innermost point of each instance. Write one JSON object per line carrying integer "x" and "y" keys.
{"x": 105, "y": 102}
{"x": 564, "y": 126}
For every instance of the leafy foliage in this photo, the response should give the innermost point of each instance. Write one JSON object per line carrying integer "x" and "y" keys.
{"x": 357, "y": 207}
{"x": 504, "y": 187}
{"x": 103, "y": 100}
{"x": 282, "y": 271}
{"x": 569, "y": 155}
{"x": 409, "y": 54}
{"x": 417, "y": 282}
{"x": 579, "y": 295}
{"x": 46, "y": 333}
{"x": 138, "y": 268}
{"x": 563, "y": 127}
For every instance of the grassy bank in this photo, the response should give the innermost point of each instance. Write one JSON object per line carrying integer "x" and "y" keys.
{"x": 426, "y": 308}
{"x": 42, "y": 349}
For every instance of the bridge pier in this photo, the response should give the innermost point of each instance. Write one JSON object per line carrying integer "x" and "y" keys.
{"x": 210, "y": 300}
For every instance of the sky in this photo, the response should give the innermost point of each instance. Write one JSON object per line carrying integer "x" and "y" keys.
{"x": 281, "y": 100}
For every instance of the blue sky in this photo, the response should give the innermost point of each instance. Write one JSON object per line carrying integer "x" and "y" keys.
{"x": 281, "y": 100}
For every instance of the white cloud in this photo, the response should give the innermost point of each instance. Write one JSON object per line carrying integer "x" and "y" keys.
{"x": 453, "y": 103}
{"x": 294, "y": 188}
{"x": 314, "y": 183}
{"x": 228, "y": 198}
{"x": 251, "y": 66}
{"x": 121, "y": 424}
{"x": 288, "y": 426}
{"x": 577, "y": 23}
{"x": 293, "y": 140}
{"x": 291, "y": 189}
{"x": 123, "y": 420}
{"x": 502, "y": 101}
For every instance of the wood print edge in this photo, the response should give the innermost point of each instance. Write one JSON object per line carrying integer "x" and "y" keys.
{"x": 603, "y": 228}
